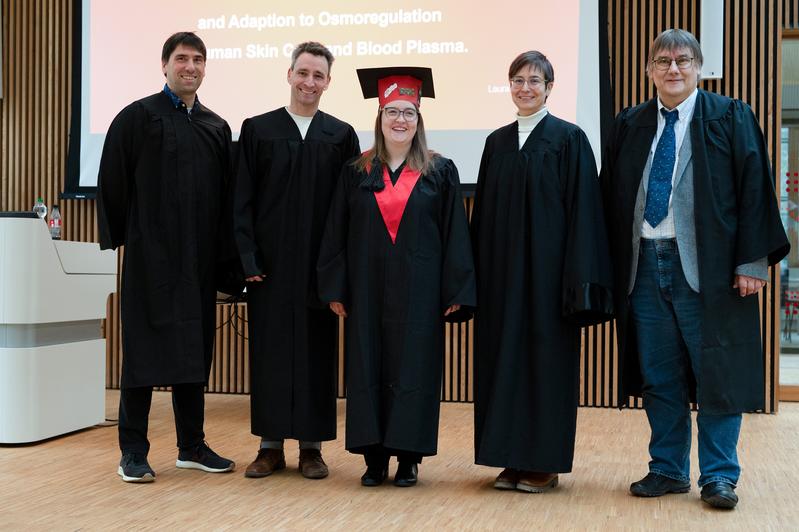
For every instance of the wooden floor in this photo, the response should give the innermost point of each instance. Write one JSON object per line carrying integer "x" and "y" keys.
{"x": 70, "y": 483}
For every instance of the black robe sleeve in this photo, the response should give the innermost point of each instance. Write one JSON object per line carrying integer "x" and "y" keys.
{"x": 229, "y": 275}
{"x": 457, "y": 273}
{"x": 332, "y": 265}
{"x": 354, "y": 145}
{"x": 115, "y": 177}
{"x": 477, "y": 206}
{"x": 608, "y": 160}
{"x": 243, "y": 198}
{"x": 587, "y": 275}
{"x": 760, "y": 230}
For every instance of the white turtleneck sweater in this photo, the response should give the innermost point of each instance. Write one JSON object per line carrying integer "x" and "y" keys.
{"x": 527, "y": 124}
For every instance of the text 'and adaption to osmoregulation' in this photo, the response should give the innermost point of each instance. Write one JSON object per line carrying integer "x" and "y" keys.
{"x": 323, "y": 18}
{"x": 385, "y": 19}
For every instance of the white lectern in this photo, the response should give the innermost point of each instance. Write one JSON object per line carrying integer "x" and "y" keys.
{"x": 53, "y": 297}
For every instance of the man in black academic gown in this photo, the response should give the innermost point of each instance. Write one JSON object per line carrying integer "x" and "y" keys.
{"x": 162, "y": 184}
{"x": 289, "y": 164}
{"x": 693, "y": 225}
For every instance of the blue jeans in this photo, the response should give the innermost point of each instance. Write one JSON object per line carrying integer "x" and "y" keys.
{"x": 668, "y": 321}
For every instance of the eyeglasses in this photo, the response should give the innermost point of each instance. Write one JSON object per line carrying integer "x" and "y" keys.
{"x": 664, "y": 63}
{"x": 518, "y": 82}
{"x": 409, "y": 114}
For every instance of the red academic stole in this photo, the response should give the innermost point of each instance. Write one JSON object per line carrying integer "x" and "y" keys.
{"x": 393, "y": 198}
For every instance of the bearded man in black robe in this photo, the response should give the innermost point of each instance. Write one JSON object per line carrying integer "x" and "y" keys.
{"x": 162, "y": 188}
{"x": 289, "y": 164}
{"x": 693, "y": 226}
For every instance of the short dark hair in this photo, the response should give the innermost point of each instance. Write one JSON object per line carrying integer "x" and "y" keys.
{"x": 185, "y": 38}
{"x": 313, "y": 48}
{"x": 675, "y": 39}
{"x": 535, "y": 59}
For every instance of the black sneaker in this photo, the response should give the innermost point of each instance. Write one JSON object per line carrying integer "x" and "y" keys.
{"x": 134, "y": 468}
{"x": 204, "y": 459}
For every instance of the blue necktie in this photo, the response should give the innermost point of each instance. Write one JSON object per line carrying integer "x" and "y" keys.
{"x": 659, "y": 190}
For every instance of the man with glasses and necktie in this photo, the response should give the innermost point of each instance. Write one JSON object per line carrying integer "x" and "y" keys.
{"x": 693, "y": 226}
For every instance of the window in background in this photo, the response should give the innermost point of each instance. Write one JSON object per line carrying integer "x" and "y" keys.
{"x": 788, "y": 189}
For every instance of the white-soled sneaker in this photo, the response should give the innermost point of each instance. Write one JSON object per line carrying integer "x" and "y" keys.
{"x": 204, "y": 459}
{"x": 133, "y": 467}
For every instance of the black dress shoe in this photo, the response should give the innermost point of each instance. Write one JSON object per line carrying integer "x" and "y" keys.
{"x": 654, "y": 485}
{"x": 407, "y": 474}
{"x": 720, "y": 495}
{"x": 374, "y": 476}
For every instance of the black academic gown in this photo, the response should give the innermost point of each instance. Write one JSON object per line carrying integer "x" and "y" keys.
{"x": 162, "y": 187}
{"x": 283, "y": 191}
{"x": 395, "y": 295}
{"x": 543, "y": 270}
{"x": 737, "y": 222}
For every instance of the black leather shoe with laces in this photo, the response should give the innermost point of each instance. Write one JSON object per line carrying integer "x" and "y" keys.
{"x": 720, "y": 495}
{"x": 655, "y": 485}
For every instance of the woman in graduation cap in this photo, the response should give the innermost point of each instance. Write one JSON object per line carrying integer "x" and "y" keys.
{"x": 396, "y": 262}
{"x": 543, "y": 271}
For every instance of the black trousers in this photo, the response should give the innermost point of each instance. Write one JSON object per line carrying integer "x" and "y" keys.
{"x": 188, "y": 406}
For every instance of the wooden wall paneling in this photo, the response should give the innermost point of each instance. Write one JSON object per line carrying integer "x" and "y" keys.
{"x": 35, "y": 108}
{"x": 589, "y": 352}
{"x": 223, "y": 364}
{"x": 614, "y": 364}
{"x": 583, "y": 370}
{"x": 446, "y": 373}
{"x": 230, "y": 367}
{"x": 342, "y": 369}
{"x": 469, "y": 384}
{"x": 772, "y": 112}
{"x": 35, "y": 114}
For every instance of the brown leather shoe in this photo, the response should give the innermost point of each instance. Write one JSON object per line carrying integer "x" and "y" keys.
{"x": 536, "y": 482}
{"x": 507, "y": 480}
{"x": 311, "y": 464}
{"x": 267, "y": 462}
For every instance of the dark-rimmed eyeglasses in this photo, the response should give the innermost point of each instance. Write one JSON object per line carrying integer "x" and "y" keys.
{"x": 409, "y": 114}
{"x": 664, "y": 63}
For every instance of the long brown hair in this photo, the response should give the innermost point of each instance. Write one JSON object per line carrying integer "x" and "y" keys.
{"x": 419, "y": 156}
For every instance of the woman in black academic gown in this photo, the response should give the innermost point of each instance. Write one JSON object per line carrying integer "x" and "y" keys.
{"x": 395, "y": 261}
{"x": 543, "y": 270}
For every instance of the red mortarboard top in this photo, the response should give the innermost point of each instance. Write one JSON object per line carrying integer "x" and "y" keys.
{"x": 397, "y": 83}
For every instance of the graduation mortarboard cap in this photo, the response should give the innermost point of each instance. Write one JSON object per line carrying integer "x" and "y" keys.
{"x": 397, "y": 83}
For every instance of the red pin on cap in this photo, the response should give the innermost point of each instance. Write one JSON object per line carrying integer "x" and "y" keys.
{"x": 389, "y": 84}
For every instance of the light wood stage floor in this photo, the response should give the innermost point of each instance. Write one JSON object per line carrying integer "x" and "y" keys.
{"x": 70, "y": 483}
